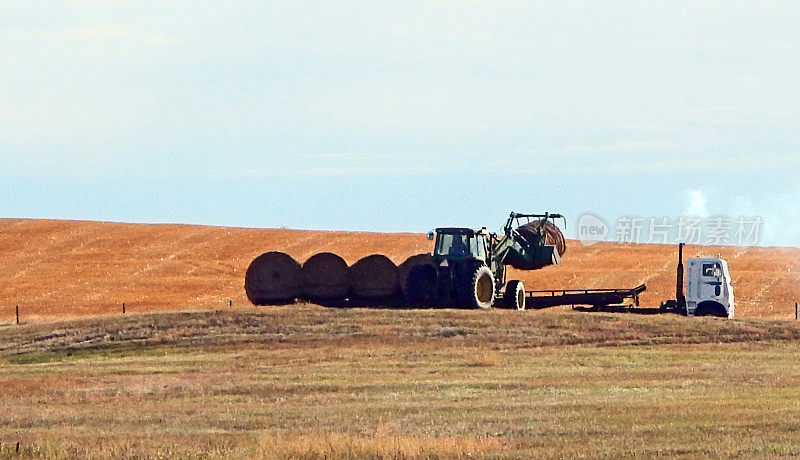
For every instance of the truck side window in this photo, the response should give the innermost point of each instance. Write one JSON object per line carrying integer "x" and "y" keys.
{"x": 708, "y": 270}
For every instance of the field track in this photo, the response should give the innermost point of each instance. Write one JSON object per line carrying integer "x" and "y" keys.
{"x": 56, "y": 269}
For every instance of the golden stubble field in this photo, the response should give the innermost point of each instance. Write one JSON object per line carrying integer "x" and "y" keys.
{"x": 56, "y": 269}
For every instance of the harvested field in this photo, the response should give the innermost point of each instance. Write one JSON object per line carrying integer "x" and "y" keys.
{"x": 314, "y": 382}
{"x": 56, "y": 269}
{"x": 307, "y": 381}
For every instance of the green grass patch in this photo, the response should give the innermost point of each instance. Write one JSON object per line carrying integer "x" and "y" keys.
{"x": 102, "y": 352}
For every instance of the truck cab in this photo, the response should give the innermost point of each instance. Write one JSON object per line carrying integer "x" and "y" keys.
{"x": 709, "y": 290}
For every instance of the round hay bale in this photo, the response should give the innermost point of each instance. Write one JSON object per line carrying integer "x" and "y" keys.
{"x": 272, "y": 278}
{"x": 405, "y": 268}
{"x": 373, "y": 277}
{"x": 324, "y": 277}
{"x": 553, "y": 235}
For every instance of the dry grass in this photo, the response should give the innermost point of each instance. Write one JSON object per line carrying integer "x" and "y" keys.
{"x": 309, "y": 382}
{"x": 380, "y": 446}
{"x": 307, "y": 326}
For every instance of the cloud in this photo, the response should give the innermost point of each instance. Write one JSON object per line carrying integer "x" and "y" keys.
{"x": 648, "y": 160}
{"x": 117, "y": 32}
{"x": 621, "y": 146}
{"x": 312, "y": 171}
{"x": 95, "y": 34}
{"x": 697, "y": 206}
{"x": 778, "y": 211}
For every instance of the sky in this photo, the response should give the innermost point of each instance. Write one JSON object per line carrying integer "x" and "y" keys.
{"x": 400, "y": 115}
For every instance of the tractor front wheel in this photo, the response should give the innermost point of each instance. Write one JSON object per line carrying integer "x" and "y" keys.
{"x": 482, "y": 289}
{"x": 514, "y": 296}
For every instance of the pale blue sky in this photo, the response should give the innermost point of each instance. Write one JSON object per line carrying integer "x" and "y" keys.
{"x": 399, "y": 116}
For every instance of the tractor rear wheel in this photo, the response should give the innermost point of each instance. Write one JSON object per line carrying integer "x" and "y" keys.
{"x": 481, "y": 294}
{"x": 514, "y": 296}
{"x": 420, "y": 285}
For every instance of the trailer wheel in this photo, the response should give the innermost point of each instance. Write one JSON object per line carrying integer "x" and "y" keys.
{"x": 514, "y": 296}
{"x": 482, "y": 288}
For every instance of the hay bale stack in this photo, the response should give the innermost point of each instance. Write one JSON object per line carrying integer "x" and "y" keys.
{"x": 324, "y": 277}
{"x": 272, "y": 278}
{"x": 553, "y": 235}
{"x": 373, "y": 277}
{"x": 405, "y": 268}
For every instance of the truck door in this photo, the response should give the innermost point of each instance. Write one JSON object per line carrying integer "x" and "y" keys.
{"x": 710, "y": 281}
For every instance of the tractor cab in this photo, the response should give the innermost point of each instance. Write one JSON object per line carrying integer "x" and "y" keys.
{"x": 463, "y": 271}
{"x": 460, "y": 244}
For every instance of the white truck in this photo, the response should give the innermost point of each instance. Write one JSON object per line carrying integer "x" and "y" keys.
{"x": 709, "y": 289}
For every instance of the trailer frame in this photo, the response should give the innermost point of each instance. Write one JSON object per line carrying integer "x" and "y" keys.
{"x": 596, "y": 298}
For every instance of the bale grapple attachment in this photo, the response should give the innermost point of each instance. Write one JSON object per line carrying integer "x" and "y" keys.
{"x": 533, "y": 245}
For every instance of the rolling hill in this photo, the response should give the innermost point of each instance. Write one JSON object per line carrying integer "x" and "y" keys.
{"x": 54, "y": 269}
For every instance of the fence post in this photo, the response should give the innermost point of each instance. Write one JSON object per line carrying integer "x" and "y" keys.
{"x": 795, "y": 311}
{"x": 230, "y": 303}
{"x": 123, "y": 308}
{"x": 17, "y": 314}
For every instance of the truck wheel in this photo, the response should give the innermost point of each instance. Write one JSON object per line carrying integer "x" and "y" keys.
{"x": 482, "y": 289}
{"x": 514, "y": 296}
{"x": 711, "y": 308}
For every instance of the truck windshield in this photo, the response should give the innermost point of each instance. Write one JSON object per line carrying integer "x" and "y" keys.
{"x": 711, "y": 270}
{"x": 452, "y": 245}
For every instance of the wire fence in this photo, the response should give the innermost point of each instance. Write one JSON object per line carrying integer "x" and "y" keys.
{"x": 18, "y": 314}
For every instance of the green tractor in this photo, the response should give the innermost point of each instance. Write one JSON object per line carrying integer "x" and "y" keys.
{"x": 468, "y": 266}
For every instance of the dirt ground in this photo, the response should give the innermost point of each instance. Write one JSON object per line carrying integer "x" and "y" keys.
{"x": 55, "y": 269}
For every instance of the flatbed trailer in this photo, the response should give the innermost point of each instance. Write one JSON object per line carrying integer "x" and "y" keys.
{"x": 595, "y": 298}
